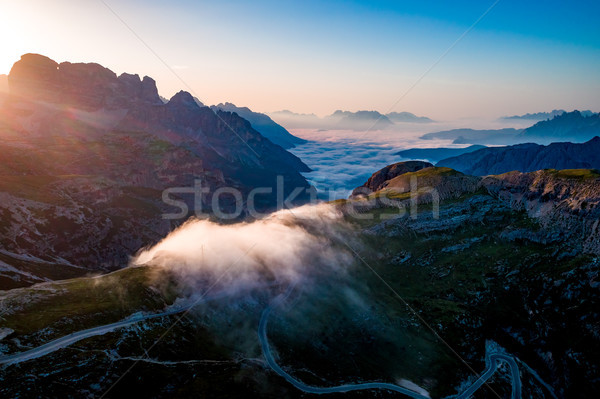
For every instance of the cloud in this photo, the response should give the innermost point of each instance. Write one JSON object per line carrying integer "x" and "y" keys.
{"x": 288, "y": 247}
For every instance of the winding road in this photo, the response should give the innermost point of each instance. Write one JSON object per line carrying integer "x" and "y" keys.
{"x": 70, "y": 339}
{"x": 493, "y": 357}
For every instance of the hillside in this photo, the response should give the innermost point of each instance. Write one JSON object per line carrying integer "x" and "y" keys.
{"x": 506, "y": 261}
{"x": 512, "y": 258}
{"x": 263, "y": 124}
{"x": 86, "y": 157}
{"x": 527, "y": 158}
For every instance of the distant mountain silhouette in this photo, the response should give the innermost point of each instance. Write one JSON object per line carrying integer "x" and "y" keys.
{"x": 540, "y": 116}
{"x": 569, "y": 126}
{"x": 361, "y": 120}
{"x": 527, "y": 158}
{"x": 481, "y": 137}
{"x": 264, "y": 125}
{"x": 400, "y": 117}
{"x": 436, "y": 154}
{"x": 294, "y": 120}
{"x": 346, "y": 120}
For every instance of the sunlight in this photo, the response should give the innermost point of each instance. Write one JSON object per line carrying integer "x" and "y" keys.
{"x": 15, "y": 40}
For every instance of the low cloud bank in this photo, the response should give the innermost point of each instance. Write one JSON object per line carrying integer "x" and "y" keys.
{"x": 288, "y": 247}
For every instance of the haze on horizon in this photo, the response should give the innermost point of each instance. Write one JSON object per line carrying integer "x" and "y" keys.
{"x": 315, "y": 57}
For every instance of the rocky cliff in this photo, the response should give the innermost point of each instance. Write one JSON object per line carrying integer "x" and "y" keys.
{"x": 564, "y": 202}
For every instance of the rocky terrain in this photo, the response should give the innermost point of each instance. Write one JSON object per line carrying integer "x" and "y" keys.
{"x": 528, "y": 243}
{"x": 85, "y": 157}
{"x": 527, "y": 158}
{"x": 381, "y": 178}
{"x": 500, "y": 259}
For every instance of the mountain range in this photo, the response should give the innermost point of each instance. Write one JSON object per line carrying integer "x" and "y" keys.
{"x": 569, "y": 126}
{"x": 527, "y": 158}
{"x": 347, "y": 120}
{"x": 476, "y": 137}
{"x": 539, "y": 116}
{"x": 507, "y": 263}
{"x": 85, "y": 158}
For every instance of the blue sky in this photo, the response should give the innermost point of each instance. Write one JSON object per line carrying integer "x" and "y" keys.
{"x": 318, "y": 56}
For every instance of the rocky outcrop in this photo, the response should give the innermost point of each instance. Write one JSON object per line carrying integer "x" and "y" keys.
{"x": 380, "y": 178}
{"x": 88, "y": 86}
{"x": 566, "y": 203}
{"x": 527, "y": 158}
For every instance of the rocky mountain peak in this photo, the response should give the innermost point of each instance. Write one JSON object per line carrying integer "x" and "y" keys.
{"x": 92, "y": 86}
{"x": 183, "y": 98}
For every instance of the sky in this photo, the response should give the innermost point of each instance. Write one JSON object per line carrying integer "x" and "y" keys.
{"x": 319, "y": 56}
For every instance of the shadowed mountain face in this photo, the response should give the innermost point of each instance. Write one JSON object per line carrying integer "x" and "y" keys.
{"x": 85, "y": 156}
{"x": 263, "y": 124}
{"x": 569, "y": 126}
{"x": 437, "y": 154}
{"x": 527, "y": 158}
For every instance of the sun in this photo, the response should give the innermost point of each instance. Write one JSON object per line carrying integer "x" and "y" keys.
{"x": 14, "y": 37}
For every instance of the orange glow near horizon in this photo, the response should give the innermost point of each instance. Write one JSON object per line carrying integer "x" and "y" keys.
{"x": 263, "y": 58}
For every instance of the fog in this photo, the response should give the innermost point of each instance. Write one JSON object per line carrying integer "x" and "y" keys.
{"x": 288, "y": 247}
{"x": 342, "y": 160}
